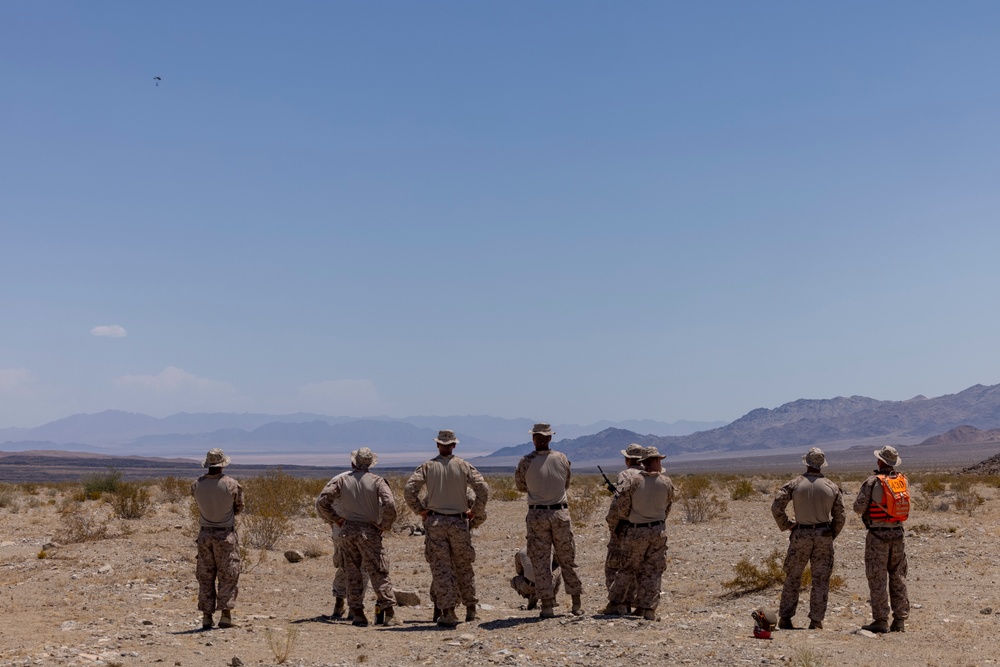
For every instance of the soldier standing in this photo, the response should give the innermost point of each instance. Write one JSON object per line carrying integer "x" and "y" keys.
{"x": 220, "y": 499}
{"x": 368, "y": 510}
{"x": 544, "y": 475}
{"x": 612, "y": 562}
{"x": 643, "y": 504}
{"x": 819, "y": 517}
{"x": 447, "y": 533}
{"x": 340, "y": 574}
{"x": 885, "y": 553}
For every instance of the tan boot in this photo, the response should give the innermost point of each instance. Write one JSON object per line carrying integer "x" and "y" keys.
{"x": 448, "y": 618}
{"x": 785, "y": 623}
{"x": 577, "y": 609}
{"x": 359, "y": 619}
{"x": 815, "y": 625}
{"x": 226, "y": 620}
{"x": 649, "y": 614}
{"x": 206, "y": 620}
{"x": 470, "y": 613}
{"x": 548, "y": 610}
{"x": 338, "y": 608}
{"x": 898, "y": 625}
{"x": 532, "y": 602}
{"x": 389, "y": 617}
{"x": 878, "y": 627}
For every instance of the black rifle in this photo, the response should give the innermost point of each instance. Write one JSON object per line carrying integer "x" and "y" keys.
{"x": 611, "y": 487}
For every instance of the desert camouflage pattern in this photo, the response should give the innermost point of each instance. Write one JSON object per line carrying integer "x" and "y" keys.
{"x": 363, "y": 553}
{"x": 551, "y": 533}
{"x": 340, "y": 572}
{"x": 885, "y": 562}
{"x": 524, "y": 586}
{"x": 613, "y": 558}
{"x": 450, "y": 554}
{"x": 644, "y": 557}
{"x": 805, "y": 546}
{"x": 217, "y": 569}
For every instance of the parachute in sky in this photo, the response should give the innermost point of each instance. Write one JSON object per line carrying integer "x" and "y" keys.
{"x": 157, "y": 80}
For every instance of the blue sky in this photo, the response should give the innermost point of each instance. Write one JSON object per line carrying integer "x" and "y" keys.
{"x": 568, "y": 211}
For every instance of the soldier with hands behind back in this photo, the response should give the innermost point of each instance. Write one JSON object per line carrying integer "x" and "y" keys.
{"x": 819, "y": 517}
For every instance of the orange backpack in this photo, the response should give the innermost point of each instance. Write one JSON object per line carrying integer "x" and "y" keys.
{"x": 895, "y": 497}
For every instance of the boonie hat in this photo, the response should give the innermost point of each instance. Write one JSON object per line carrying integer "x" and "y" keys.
{"x": 634, "y": 451}
{"x": 446, "y": 437}
{"x": 889, "y": 456}
{"x": 363, "y": 458}
{"x": 815, "y": 458}
{"x": 216, "y": 458}
{"x": 542, "y": 429}
{"x": 652, "y": 453}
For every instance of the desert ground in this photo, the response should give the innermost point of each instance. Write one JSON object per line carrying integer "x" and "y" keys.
{"x": 129, "y": 598}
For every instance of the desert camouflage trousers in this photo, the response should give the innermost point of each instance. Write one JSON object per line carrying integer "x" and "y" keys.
{"x": 813, "y": 547}
{"x": 362, "y": 553}
{"x": 643, "y": 560}
{"x": 218, "y": 560}
{"x": 613, "y": 563}
{"x": 526, "y": 587}
{"x": 340, "y": 572}
{"x": 885, "y": 561}
{"x": 550, "y": 531}
{"x": 449, "y": 551}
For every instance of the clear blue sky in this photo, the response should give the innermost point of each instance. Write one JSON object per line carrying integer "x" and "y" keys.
{"x": 566, "y": 211}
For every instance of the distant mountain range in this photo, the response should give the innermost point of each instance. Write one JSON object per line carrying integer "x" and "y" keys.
{"x": 185, "y": 434}
{"x": 802, "y": 423}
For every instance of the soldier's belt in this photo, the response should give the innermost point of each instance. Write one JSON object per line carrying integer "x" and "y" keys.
{"x": 813, "y": 526}
{"x": 433, "y": 513}
{"x": 645, "y": 525}
{"x": 560, "y": 506}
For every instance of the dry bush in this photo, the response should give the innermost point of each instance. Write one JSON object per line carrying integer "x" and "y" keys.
{"x": 8, "y": 495}
{"x": 804, "y": 657}
{"x": 131, "y": 501}
{"x": 174, "y": 490}
{"x": 502, "y": 487}
{"x": 270, "y": 501}
{"x": 281, "y": 645}
{"x": 314, "y": 549}
{"x": 29, "y": 488}
{"x": 311, "y": 486}
{"x": 250, "y": 561}
{"x": 765, "y": 487}
{"x": 698, "y": 503}
{"x": 586, "y": 494}
{"x": 99, "y": 483}
{"x": 933, "y": 486}
{"x": 967, "y": 499}
{"x": 751, "y": 578}
{"x": 83, "y": 523}
{"x": 742, "y": 489}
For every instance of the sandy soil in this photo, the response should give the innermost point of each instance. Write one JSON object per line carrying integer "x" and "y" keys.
{"x": 131, "y": 599}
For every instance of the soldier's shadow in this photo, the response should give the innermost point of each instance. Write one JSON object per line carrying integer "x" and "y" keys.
{"x": 513, "y": 622}
{"x": 195, "y": 631}
{"x": 325, "y": 620}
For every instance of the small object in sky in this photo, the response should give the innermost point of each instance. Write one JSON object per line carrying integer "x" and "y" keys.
{"x": 157, "y": 80}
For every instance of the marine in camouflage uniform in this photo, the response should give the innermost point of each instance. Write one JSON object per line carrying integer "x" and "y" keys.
{"x": 368, "y": 510}
{"x": 885, "y": 551}
{"x": 447, "y": 531}
{"x": 220, "y": 499}
{"x": 524, "y": 581}
{"x": 612, "y": 561}
{"x": 643, "y": 504}
{"x": 545, "y": 475}
{"x": 340, "y": 571}
{"x": 819, "y": 517}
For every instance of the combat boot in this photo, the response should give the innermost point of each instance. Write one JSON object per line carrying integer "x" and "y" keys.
{"x": 350, "y": 615}
{"x": 226, "y": 620}
{"x": 448, "y": 618}
{"x": 470, "y": 613}
{"x": 389, "y": 617}
{"x": 785, "y": 623}
{"x": 612, "y": 609}
{"x": 206, "y": 620}
{"x": 815, "y": 625}
{"x": 338, "y": 608}
{"x": 532, "y": 602}
{"x": 379, "y": 615}
{"x": 577, "y": 609}
{"x": 436, "y": 615}
{"x": 360, "y": 619}
{"x": 878, "y": 627}
{"x": 649, "y": 614}
{"x": 898, "y": 625}
{"x": 548, "y": 610}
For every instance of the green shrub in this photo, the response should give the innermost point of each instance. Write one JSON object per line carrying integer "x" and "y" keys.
{"x": 131, "y": 500}
{"x": 742, "y": 489}
{"x": 100, "y": 483}
{"x": 174, "y": 490}
{"x": 502, "y": 487}
{"x": 751, "y": 578}
{"x": 967, "y": 499}
{"x": 586, "y": 494}
{"x": 8, "y": 495}
{"x": 697, "y": 501}
{"x": 270, "y": 501}
{"x": 82, "y": 523}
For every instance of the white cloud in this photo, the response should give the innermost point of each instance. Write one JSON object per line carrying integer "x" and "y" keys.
{"x": 173, "y": 380}
{"x": 14, "y": 379}
{"x": 109, "y": 331}
{"x": 339, "y": 397}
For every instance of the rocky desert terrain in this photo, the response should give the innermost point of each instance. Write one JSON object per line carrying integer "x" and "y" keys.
{"x": 130, "y": 597}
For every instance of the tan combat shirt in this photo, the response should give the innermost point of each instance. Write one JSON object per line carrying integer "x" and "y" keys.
{"x": 544, "y": 476}
{"x": 364, "y": 497}
{"x": 815, "y": 499}
{"x": 645, "y": 498}
{"x": 219, "y": 498}
{"x": 448, "y": 478}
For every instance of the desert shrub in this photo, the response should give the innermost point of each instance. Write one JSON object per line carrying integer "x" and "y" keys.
{"x": 751, "y": 578}
{"x": 933, "y": 486}
{"x": 250, "y": 560}
{"x": 174, "y": 490}
{"x": 763, "y": 486}
{"x": 8, "y": 495}
{"x": 314, "y": 549}
{"x": 99, "y": 483}
{"x": 942, "y": 506}
{"x": 83, "y": 523}
{"x": 742, "y": 489}
{"x": 131, "y": 501}
{"x": 502, "y": 487}
{"x": 586, "y": 494}
{"x": 920, "y": 501}
{"x": 29, "y": 488}
{"x": 281, "y": 644}
{"x": 311, "y": 487}
{"x": 698, "y": 503}
{"x": 270, "y": 501}
{"x": 967, "y": 499}
{"x": 805, "y": 657}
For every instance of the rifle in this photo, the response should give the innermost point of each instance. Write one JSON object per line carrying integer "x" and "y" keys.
{"x": 611, "y": 487}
